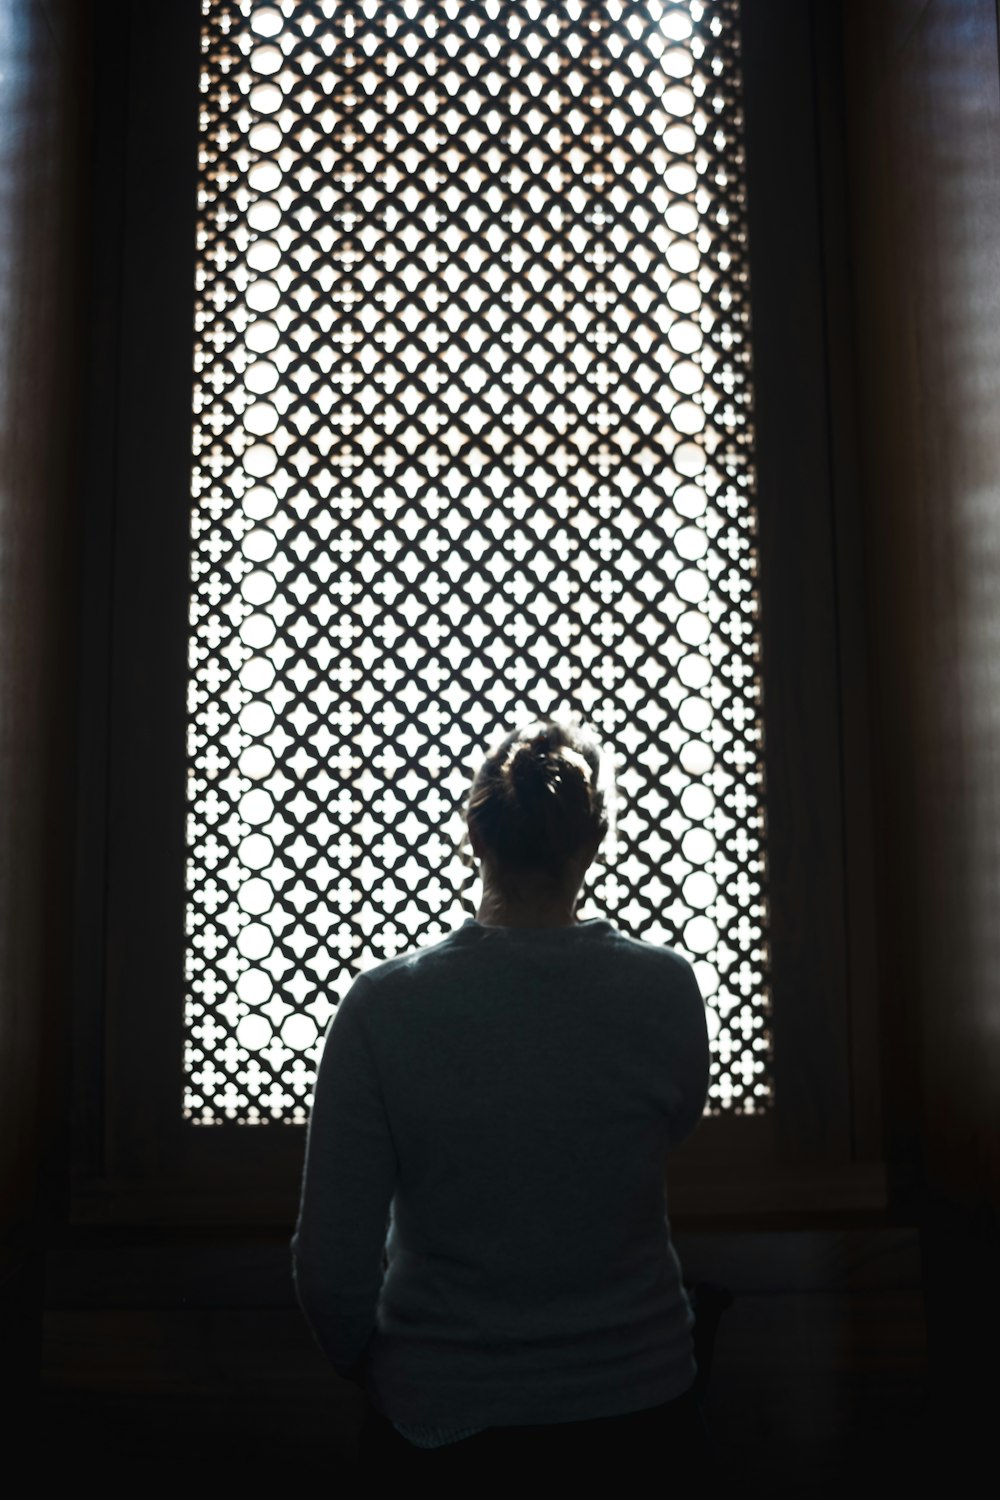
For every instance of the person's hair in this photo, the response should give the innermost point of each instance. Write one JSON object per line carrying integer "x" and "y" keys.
{"x": 542, "y": 795}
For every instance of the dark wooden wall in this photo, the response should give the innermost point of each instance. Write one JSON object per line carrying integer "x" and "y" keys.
{"x": 923, "y": 121}
{"x": 158, "y": 1341}
{"x": 44, "y": 107}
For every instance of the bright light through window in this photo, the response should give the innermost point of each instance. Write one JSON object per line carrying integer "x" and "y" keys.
{"x": 472, "y": 443}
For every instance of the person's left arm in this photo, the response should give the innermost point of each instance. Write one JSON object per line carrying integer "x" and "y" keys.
{"x": 348, "y": 1180}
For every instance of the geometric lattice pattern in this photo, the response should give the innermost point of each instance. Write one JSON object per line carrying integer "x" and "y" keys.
{"x": 472, "y": 443}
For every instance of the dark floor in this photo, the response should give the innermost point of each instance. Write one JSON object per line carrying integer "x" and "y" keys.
{"x": 134, "y": 1446}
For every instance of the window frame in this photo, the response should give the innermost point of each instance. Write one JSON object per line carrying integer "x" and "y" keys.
{"x": 134, "y": 1158}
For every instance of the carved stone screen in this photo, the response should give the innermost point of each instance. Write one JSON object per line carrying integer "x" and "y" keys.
{"x": 472, "y": 443}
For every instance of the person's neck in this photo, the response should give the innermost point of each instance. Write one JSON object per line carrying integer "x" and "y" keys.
{"x": 496, "y": 911}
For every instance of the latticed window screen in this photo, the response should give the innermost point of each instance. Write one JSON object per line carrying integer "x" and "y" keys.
{"x": 472, "y": 443}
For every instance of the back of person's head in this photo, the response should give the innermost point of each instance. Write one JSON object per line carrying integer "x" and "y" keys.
{"x": 543, "y": 797}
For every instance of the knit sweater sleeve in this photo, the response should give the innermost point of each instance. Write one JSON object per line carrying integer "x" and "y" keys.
{"x": 694, "y": 1056}
{"x": 349, "y": 1177}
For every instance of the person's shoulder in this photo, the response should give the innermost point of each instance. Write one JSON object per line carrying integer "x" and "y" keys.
{"x": 659, "y": 957}
{"x": 431, "y": 964}
{"x": 416, "y": 963}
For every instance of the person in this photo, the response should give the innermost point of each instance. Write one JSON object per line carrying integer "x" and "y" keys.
{"x": 503, "y": 1101}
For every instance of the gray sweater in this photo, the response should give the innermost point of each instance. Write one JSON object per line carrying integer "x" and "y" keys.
{"x": 502, "y": 1103}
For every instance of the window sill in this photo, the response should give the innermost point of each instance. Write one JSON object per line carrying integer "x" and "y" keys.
{"x": 791, "y": 1197}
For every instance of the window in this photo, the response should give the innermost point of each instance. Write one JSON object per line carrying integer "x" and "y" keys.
{"x": 472, "y": 441}
{"x": 423, "y": 402}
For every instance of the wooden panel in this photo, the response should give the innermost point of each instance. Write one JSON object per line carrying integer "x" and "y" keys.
{"x": 147, "y": 736}
{"x": 95, "y": 624}
{"x": 923, "y": 117}
{"x": 821, "y": 1358}
{"x": 43, "y": 122}
{"x": 853, "y": 625}
{"x": 797, "y": 586}
{"x": 247, "y": 1396}
{"x": 116, "y": 1268}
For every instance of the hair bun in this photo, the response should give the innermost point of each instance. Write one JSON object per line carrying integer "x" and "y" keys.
{"x": 528, "y": 767}
{"x": 567, "y": 754}
{"x": 542, "y": 796}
